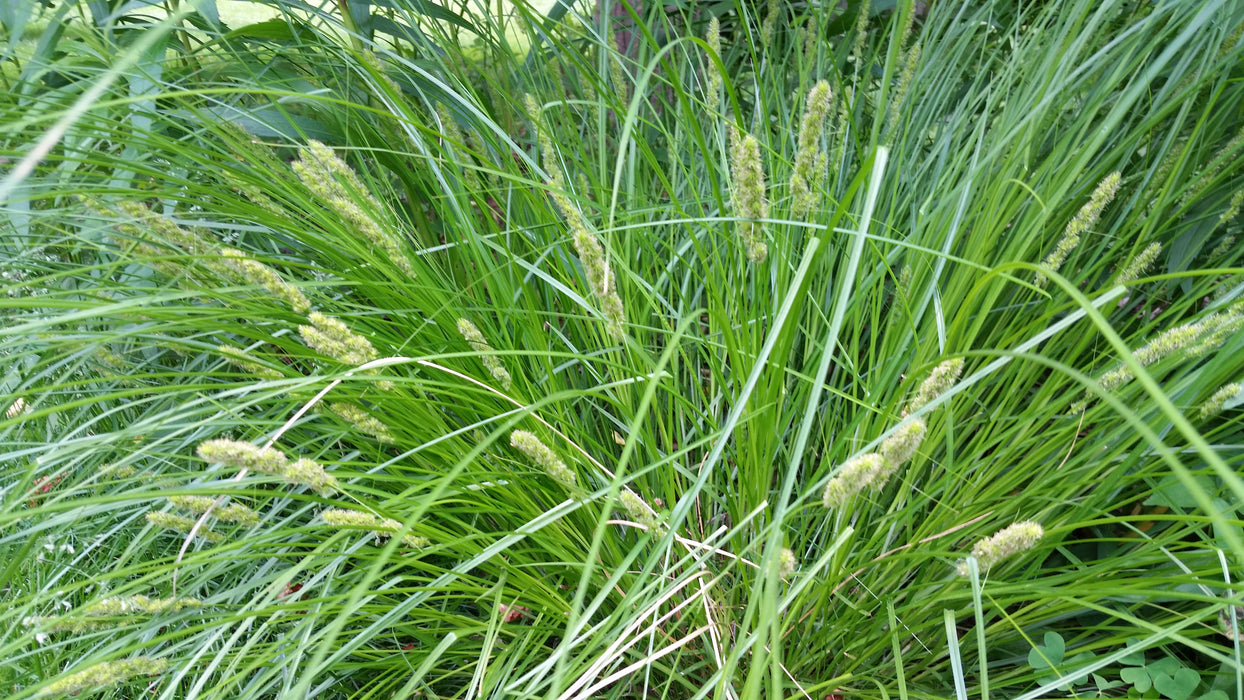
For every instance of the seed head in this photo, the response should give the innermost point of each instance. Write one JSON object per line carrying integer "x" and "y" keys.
{"x": 163, "y": 229}
{"x": 256, "y": 273}
{"x": 1192, "y": 339}
{"x": 810, "y": 33}
{"x": 363, "y": 421}
{"x": 476, "y": 340}
{"x": 1006, "y": 542}
{"x": 1225, "y": 246}
{"x": 535, "y": 112}
{"x": 809, "y": 160}
{"x": 787, "y": 563}
{"x": 543, "y": 456}
{"x": 748, "y": 192}
{"x": 1082, "y": 222}
{"x": 331, "y": 337}
{"x": 308, "y": 472}
{"x": 240, "y": 359}
{"x": 231, "y": 513}
{"x": 866, "y": 471}
{"x": 452, "y": 137}
{"x": 105, "y": 674}
{"x": 713, "y": 38}
{"x": 639, "y": 511}
{"x": 861, "y": 34}
{"x": 595, "y": 264}
{"x": 1226, "y": 155}
{"x": 1215, "y": 404}
{"x": 340, "y": 189}
{"x": 943, "y": 377}
{"x": 180, "y": 523}
{"x": 244, "y": 455}
{"x": 96, "y": 615}
{"x": 591, "y": 253}
{"x": 766, "y": 26}
{"x": 1233, "y": 207}
{"x": 902, "y": 445}
{"x": 1138, "y": 266}
{"x": 382, "y": 528}
{"x": 905, "y": 77}
{"x": 617, "y": 76}
{"x": 125, "y": 605}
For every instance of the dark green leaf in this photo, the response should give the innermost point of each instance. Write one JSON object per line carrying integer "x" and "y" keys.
{"x": 1048, "y": 655}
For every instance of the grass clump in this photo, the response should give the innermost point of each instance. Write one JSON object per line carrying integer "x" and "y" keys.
{"x": 897, "y": 356}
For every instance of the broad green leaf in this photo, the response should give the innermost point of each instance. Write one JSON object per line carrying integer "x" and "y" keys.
{"x": 1138, "y": 677}
{"x": 1049, "y": 654}
{"x": 1177, "y": 686}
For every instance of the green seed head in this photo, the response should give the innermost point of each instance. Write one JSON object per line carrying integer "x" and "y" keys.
{"x": 543, "y": 457}
{"x": 862, "y": 472}
{"x": 1005, "y": 543}
{"x": 943, "y": 377}
{"x": 902, "y": 445}
{"x": 244, "y": 455}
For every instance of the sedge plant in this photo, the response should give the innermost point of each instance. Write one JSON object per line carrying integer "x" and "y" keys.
{"x": 340, "y": 360}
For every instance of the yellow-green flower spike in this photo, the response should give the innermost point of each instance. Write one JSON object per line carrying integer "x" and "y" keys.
{"x": 105, "y": 674}
{"x": 381, "y": 528}
{"x": 476, "y": 340}
{"x": 1005, "y": 543}
{"x": 238, "y": 358}
{"x": 861, "y": 472}
{"x": 905, "y": 77}
{"x": 99, "y": 615}
{"x": 713, "y": 89}
{"x": 809, "y": 160}
{"x": 639, "y": 511}
{"x": 340, "y": 189}
{"x": 1139, "y": 266}
{"x": 772, "y": 13}
{"x": 363, "y": 421}
{"x": 787, "y": 562}
{"x": 902, "y": 445}
{"x": 331, "y": 337}
{"x": 1225, "y": 246}
{"x": 543, "y": 456}
{"x": 1192, "y": 339}
{"x": 180, "y": 523}
{"x": 256, "y": 273}
{"x": 587, "y": 247}
{"x": 617, "y": 76}
{"x": 244, "y": 455}
{"x": 454, "y": 138}
{"x": 1214, "y": 405}
{"x": 308, "y": 472}
{"x": 230, "y": 513}
{"x": 1233, "y": 208}
{"x": 164, "y": 229}
{"x": 748, "y": 193}
{"x": 1082, "y": 222}
{"x": 943, "y": 377}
